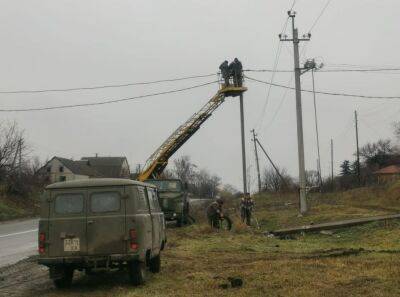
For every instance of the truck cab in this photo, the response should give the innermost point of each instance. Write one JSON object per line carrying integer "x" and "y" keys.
{"x": 173, "y": 199}
{"x": 100, "y": 223}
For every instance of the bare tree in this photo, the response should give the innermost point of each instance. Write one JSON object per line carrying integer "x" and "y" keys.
{"x": 379, "y": 154}
{"x": 184, "y": 169}
{"x": 396, "y": 126}
{"x": 276, "y": 182}
{"x": 230, "y": 189}
{"x": 200, "y": 182}
{"x": 13, "y": 149}
{"x": 312, "y": 178}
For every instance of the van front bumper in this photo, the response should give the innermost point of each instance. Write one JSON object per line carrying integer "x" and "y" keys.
{"x": 87, "y": 261}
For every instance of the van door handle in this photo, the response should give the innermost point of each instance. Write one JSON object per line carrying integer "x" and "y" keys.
{"x": 90, "y": 222}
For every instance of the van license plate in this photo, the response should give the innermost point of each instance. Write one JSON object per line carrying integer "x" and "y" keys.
{"x": 71, "y": 245}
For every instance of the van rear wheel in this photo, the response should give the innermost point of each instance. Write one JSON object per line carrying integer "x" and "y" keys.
{"x": 155, "y": 264}
{"x": 66, "y": 280}
{"x": 137, "y": 272}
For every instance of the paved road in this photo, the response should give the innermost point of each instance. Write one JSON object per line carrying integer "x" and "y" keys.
{"x": 18, "y": 240}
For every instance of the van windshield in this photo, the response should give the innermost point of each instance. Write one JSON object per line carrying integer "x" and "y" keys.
{"x": 167, "y": 185}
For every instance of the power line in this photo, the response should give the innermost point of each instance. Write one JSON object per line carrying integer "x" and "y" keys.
{"x": 358, "y": 65}
{"x": 328, "y": 70}
{"x": 105, "y": 86}
{"x": 320, "y": 15}
{"x": 106, "y": 101}
{"x": 293, "y": 4}
{"x": 278, "y": 53}
{"x": 281, "y": 103}
{"x": 326, "y": 93}
{"x": 303, "y": 51}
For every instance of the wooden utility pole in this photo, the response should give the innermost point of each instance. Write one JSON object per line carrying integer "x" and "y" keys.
{"x": 300, "y": 139}
{"x": 358, "y": 148}
{"x": 257, "y": 162}
{"x": 20, "y": 157}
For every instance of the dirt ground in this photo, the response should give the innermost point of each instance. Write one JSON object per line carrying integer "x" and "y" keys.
{"x": 358, "y": 261}
{"x": 199, "y": 262}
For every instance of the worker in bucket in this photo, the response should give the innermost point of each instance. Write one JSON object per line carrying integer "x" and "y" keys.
{"x": 224, "y": 67}
{"x": 246, "y": 209}
{"x": 214, "y": 213}
{"x": 236, "y": 70}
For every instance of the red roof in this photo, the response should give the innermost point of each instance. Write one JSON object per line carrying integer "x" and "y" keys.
{"x": 393, "y": 169}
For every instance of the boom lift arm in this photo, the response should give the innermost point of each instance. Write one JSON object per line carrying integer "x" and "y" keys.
{"x": 157, "y": 162}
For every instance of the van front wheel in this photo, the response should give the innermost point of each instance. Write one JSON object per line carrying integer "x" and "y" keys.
{"x": 137, "y": 272}
{"x": 155, "y": 264}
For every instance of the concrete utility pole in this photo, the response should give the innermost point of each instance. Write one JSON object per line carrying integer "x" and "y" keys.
{"x": 257, "y": 163}
{"x": 243, "y": 145}
{"x": 300, "y": 140}
{"x": 358, "y": 148}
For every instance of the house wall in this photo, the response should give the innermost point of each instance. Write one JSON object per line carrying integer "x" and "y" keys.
{"x": 125, "y": 171}
{"x": 386, "y": 178}
{"x": 55, "y": 175}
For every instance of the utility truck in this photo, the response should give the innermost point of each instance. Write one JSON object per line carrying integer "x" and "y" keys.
{"x": 174, "y": 202}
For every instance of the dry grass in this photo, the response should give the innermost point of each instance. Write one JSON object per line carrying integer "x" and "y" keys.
{"x": 17, "y": 207}
{"x": 358, "y": 261}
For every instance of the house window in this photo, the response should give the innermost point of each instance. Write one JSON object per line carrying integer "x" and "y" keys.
{"x": 61, "y": 168}
{"x": 48, "y": 169}
{"x": 63, "y": 178}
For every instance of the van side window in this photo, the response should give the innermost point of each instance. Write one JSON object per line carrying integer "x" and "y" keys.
{"x": 153, "y": 200}
{"x": 105, "y": 202}
{"x": 69, "y": 203}
{"x": 142, "y": 201}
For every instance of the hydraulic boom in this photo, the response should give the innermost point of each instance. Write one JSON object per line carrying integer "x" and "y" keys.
{"x": 157, "y": 162}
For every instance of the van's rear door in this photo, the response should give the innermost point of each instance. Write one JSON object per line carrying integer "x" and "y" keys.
{"x": 106, "y": 221}
{"x": 67, "y": 223}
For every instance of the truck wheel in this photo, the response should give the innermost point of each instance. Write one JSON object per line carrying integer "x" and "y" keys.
{"x": 155, "y": 264}
{"x": 226, "y": 223}
{"x": 137, "y": 272}
{"x": 66, "y": 280}
{"x": 179, "y": 222}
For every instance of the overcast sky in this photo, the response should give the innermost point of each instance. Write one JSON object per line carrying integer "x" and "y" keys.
{"x": 61, "y": 44}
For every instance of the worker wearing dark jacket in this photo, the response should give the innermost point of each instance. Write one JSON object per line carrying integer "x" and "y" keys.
{"x": 246, "y": 209}
{"x": 214, "y": 213}
{"x": 224, "y": 67}
{"x": 236, "y": 70}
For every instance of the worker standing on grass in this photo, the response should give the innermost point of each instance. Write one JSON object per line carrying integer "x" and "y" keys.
{"x": 214, "y": 213}
{"x": 224, "y": 67}
{"x": 246, "y": 209}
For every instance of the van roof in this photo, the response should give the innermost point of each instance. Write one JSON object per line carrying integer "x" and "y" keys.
{"x": 96, "y": 182}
